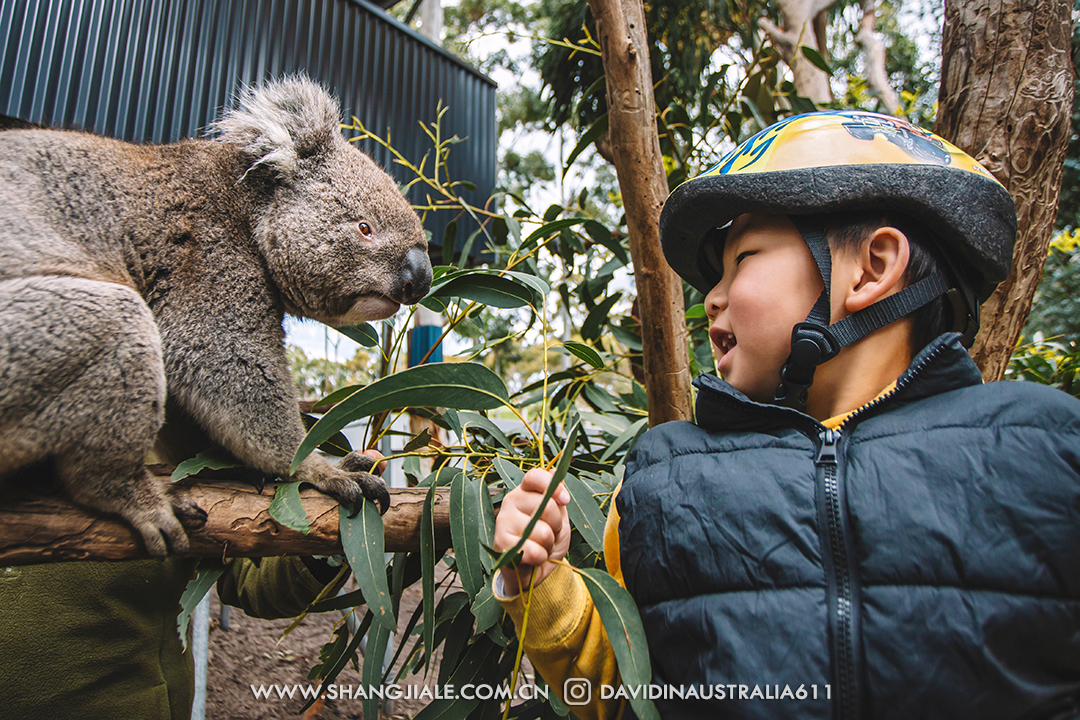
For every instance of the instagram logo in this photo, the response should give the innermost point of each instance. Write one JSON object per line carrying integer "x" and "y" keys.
{"x": 577, "y": 691}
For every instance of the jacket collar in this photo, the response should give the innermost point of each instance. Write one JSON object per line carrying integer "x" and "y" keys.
{"x": 942, "y": 365}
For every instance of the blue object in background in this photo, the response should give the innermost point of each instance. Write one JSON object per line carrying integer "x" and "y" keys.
{"x": 421, "y": 338}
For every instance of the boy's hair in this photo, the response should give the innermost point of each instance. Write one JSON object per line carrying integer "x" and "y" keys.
{"x": 847, "y": 231}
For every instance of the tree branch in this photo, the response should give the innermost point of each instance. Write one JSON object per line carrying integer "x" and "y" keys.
{"x": 52, "y": 529}
{"x": 874, "y": 50}
{"x": 635, "y": 148}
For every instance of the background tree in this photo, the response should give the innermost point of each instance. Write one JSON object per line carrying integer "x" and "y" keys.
{"x": 1006, "y": 98}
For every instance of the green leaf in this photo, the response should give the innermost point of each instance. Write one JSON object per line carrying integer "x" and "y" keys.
{"x": 427, "y": 570}
{"x": 469, "y": 419}
{"x": 548, "y": 229}
{"x": 815, "y": 59}
{"x": 287, "y": 508}
{"x": 465, "y": 534}
{"x": 623, "y": 625}
{"x": 586, "y": 353}
{"x": 470, "y": 671}
{"x": 449, "y": 238}
{"x": 487, "y": 289}
{"x": 212, "y": 459}
{"x": 598, "y": 317}
{"x": 340, "y": 602}
{"x": 696, "y": 311}
{"x": 206, "y": 575}
{"x": 602, "y": 236}
{"x": 486, "y": 609}
{"x": 420, "y": 441}
{"x": 510, "y": 473}
{"x": 337, "y": 396}
{"x": 362, "y": 333}
{"x": 339, "y": 663}
{"x": 480, "y": 503}
{"x": 585, "y": 514}
{"x": 372, "y": 672}
{"x": 362, "y": 537}
{"x": 560, "y": 472}
{"x": 595, "y": 131}
{"x": 338, "y": 445}
{"x": 629, "y": 435}
{"x": 467, "y": 386}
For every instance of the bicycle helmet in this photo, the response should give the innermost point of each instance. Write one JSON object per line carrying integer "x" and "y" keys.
{"x": 832, "y": 161}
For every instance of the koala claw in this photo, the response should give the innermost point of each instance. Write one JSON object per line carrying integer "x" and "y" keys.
{"x": 188, "y": 513}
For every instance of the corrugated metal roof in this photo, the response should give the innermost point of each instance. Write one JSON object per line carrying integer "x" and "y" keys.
{"x": 161, "y": 70}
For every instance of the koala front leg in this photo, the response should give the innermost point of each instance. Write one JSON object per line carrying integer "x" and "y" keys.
{"x": 82, "y": 384}
{"x": 232, "y": 378}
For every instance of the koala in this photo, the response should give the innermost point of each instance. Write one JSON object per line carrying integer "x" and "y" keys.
{"x": 143, "y": 289}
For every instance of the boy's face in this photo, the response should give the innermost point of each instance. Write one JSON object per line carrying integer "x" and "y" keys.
{"x": 769, "y": 284}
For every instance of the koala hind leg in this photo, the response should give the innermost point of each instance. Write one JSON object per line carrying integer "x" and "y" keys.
{"x": 82, "y": 383}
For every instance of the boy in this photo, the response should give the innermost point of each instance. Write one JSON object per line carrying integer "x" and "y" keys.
{"x": 854, "y": 517}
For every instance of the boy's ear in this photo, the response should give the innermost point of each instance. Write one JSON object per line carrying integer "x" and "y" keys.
{"x": 878, "y": 268}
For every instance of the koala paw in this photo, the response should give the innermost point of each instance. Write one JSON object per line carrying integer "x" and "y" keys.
{"x": 160, "y": 531}
{"x": 188, "y": 512}
{"x": 349, "y": 480}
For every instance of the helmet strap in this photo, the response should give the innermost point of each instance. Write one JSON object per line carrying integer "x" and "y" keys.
{"x": 815, "y": 341}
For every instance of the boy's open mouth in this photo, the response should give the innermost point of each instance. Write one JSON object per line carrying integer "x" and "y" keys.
{"x": 723, "y": 340}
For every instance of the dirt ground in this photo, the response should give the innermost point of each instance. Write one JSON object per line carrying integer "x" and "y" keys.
{"x": 249, "y": 653}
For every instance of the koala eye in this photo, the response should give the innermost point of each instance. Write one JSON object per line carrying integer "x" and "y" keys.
{"x": 365, "y": 229}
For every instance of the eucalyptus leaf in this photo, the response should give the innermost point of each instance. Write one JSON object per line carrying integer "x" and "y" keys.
{"x": 491, "y": 290}
{"x": 622, "y": 622}
{"x": 363, "y": 333}
{"x": 206, "y": 575}
{"x": 585, "y": 514}
{"x": 465, "y": 533}
{"x": 602, "y": 236}
{"x": 584, "y": 352}
{"x": 469, "y": 419}
{"x": 486, "y": 609}
{"x": 210, "y": 459}
{"x": 815, "y": 59}
{"x": 427, "y": 570}
{"x": 372, "y": 672}
{"x": 510, "y": 473}
{"x": 467, "y": 386}
{"x": 362, "y": 538}
{"x": 598, "y": 317}
{"x": 548, "y": 229}
{"x": 477, "y": 659}
{"x": 595, "y": 131}
{"x": 287, "y": 508}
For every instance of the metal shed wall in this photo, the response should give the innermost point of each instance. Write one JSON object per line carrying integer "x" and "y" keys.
{"x": 161, "y": 70}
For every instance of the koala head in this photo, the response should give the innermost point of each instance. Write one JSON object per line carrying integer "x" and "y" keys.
{"x": 340, "y": 241}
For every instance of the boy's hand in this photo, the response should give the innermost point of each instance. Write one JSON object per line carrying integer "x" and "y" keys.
{"x": 550, "y": 538}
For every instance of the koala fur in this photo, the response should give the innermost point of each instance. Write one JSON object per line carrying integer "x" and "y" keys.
{"x": 143, "y": 288}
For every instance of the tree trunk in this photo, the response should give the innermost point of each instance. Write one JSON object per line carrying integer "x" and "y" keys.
{"x": 1006, "y": 98}
{"x": 802, "y": 26}
{"x": 635, "y": 148}
{"x": 52, "y": 529}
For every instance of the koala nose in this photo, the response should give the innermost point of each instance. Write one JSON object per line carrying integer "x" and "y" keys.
{"x": 415, "y": 278}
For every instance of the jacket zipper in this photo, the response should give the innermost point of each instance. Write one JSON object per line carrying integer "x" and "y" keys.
{"x": 845, "y": 638}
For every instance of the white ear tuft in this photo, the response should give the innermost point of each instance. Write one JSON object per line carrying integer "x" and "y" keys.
{"x": 280, "y": 122}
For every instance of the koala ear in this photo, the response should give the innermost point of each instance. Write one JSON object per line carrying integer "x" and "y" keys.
{"x": 281, "y": 122}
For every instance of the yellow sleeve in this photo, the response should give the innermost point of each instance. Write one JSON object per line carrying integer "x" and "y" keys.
{"x": 565, "y": 637}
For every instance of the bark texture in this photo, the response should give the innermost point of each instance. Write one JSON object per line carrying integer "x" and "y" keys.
{"x": 52, "y": 529}
{"x": 1006, "y": 97}
{"x": 635, "y": 149}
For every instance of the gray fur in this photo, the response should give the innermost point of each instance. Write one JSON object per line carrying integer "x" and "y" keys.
{"x": 142, "y": 282}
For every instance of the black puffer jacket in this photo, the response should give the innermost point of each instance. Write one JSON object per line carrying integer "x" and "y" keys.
{"x": 921, "y": 562}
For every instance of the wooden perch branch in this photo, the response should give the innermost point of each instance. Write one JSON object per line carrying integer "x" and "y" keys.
{"x": 52, "y": 529}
